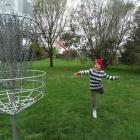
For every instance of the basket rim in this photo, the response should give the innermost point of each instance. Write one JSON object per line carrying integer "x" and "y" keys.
{"x": 39, "y": 74}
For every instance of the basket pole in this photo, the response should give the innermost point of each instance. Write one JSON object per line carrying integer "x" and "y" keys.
{"x": 14, "y": 129}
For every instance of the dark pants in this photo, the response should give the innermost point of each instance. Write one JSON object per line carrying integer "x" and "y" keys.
{"x": 94, "y": 96}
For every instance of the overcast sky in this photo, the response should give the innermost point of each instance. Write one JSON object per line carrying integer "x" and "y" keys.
{"x": 73, "y": 3}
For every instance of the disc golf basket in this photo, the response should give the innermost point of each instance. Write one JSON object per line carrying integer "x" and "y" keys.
{"x": 20, "y": 87}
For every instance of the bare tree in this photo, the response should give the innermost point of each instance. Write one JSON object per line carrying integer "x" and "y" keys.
{"x": 51, "y": 19}
{"x": 105, "y": 24}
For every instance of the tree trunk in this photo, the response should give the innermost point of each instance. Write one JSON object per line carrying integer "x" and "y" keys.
{"x": 51, "y": 61}
{"x": 51, "y": 56}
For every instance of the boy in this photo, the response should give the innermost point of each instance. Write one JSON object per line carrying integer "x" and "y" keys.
{"x": 95, "y": 74}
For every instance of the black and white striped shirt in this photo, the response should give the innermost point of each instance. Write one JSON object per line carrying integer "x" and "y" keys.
{"x": 95, "y": 77}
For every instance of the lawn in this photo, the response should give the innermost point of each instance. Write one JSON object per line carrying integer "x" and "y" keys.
{"x": 65, "y": 114}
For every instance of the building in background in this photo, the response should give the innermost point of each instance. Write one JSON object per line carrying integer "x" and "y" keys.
{"x": 20, "y": 7}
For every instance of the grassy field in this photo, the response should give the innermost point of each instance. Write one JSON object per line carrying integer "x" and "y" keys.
{"x": 65, "y": 114}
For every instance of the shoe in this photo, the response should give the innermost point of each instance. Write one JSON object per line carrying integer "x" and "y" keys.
{"x": 94, "y": 113}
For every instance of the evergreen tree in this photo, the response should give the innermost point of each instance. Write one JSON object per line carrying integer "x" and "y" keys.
{"x": 131, "y": 54}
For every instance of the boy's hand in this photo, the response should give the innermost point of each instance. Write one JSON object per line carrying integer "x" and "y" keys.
{"x": 118, "y": 77}
{"x": 77, "y": 74}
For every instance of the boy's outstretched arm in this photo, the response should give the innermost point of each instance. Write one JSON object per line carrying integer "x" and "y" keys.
{"x": 83, "y": 72}
{"x": 109, "y": 77}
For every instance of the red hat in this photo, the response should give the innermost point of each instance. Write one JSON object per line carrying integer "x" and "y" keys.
{"x": 100, "y": 62}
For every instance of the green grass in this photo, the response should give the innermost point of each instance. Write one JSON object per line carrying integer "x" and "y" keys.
{"x": 65, "y": 114}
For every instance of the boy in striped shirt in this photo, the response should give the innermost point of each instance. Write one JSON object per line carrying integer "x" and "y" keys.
{"x": 95, "y": 75}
